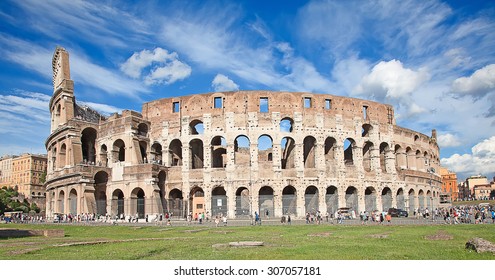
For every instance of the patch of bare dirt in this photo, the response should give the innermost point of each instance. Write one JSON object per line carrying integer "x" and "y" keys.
{"x": 320, "y": 234}
{"x": 440, "y": 235}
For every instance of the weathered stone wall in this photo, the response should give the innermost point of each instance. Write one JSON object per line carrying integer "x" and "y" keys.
{"x": 238, "y": 152}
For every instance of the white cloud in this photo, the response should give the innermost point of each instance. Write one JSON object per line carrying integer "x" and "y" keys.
{"x": 38, "y": 59}
{"x": 24, "y": 122}
{"x": 479, "y": 84}
{"x": 480, "y": 161}
{"x": 390, "y": 82}
{"x": 448, "y": 140}
{"x": 212, "y": 38}
{"x": 164, "y": 67}
{"x": 25, "y": 106}
{"x": 91, "y": 21}
{"x": 223, "y": 83}
{"x": 349, "y": 72}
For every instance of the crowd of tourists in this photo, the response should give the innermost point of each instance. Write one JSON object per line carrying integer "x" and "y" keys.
{"x": 22, "y": 218}
{"x": 468, "y": 214}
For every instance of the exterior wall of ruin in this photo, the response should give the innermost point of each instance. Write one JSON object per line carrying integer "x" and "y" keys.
{"x": 399, "y": 167}
{"x": 210, "y": 152}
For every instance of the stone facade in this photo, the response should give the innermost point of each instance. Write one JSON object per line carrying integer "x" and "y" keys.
{"x": 25, "y": 173}
{"x": 234, "y": 153}
{"x": 449, "y": 184}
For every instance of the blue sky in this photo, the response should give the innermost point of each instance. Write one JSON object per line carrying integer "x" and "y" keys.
{"x": 434, "y": 61}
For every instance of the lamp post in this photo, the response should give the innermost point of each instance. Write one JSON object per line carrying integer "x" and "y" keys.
{"x": 431, "y": 170}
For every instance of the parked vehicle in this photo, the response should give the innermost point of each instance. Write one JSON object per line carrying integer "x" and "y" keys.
{"x": 345, "y": 212}
{"x": 394, "y": 212}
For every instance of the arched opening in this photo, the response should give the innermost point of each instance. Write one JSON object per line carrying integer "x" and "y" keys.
{"x": 118, "y": 152}
{"x": 400, "y": 158}
{"x": 143, "y": 148}
{"x": 370, "y": 199}
{"x": 176, "y": 203}
{"x": 54, "y": 158}
{"x": 367, "y": 156}
{"x": 218, "y": 202}
{"x": 218, "y": 152}
{"x": 196, "y": 127}
{"x": 242, "y": 154}
{"x": 61, "y": 202}
{"x": 88, "y": 141}
{"x": 386, "y": 198}
{"x": 265, "y": 146}
{"x": 401, "y": 204}
{"x": 311, "y": 201}
{"x": 175, "y": 152}
{"x": 420, "y": 164}
{"x": 143, "y": 129}
{"x": 286, "y": 124}
{"x": 118, "y": 203}
{"x": 309, "y": 152}
{"x": 197, "y": 201}
{"x": 161, "y": 186}
{"x": 287, "y": 146}
{"x": 103, "y": 156}
{"x": 384, "y": 151}
{"x": 73, "y": 202}
{"x": 351, "y": 199}
{"x": 366, "y": 130}
{"x": 63, "y": 155}
{"x": 421, "y": 200}
{"x": 330, "y": 148}
{"x": 266, "y": 203}
{"x": 412, "y": 201}
{"x": 332, "y": 200}
{"x": 138, "y": 203}
{"x": 349, "y": 145}
{"x": 242, "y": 202}
{"x": 410, "y": 158}
{"x": 101, "y": 179}
{"x": 429, "y": 199}
{"x": 427, "y": 160}
{"x": 289, "y": 201}
{"x": 196, "y": 147}
{"x": 156, "y": 153}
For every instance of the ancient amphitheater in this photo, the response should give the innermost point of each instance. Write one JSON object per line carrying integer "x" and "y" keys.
{"x": 234, "y": 153}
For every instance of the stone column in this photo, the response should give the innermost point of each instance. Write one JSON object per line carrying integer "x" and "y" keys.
{"x": 277, "y": 202}
{"x": 322, "y": 204}
{"x": 231, "y": 201}
{"x": 301, "y": 203}
{"x": 379, "y": 202}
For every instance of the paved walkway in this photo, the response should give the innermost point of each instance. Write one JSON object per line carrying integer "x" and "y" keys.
{"x": 272, "y": 221}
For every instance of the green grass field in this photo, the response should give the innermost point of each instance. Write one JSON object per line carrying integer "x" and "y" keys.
{"x": 296, "y": 242}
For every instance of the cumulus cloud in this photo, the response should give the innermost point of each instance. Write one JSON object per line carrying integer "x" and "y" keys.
{"x": 164, "y": 67}
{"x": 223, "y": 83}
{"x": 391, "y": 82}
{"x": 448, "y": 140}
{"x": 478, "y": 85}
{"x": 480, "y": 161}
